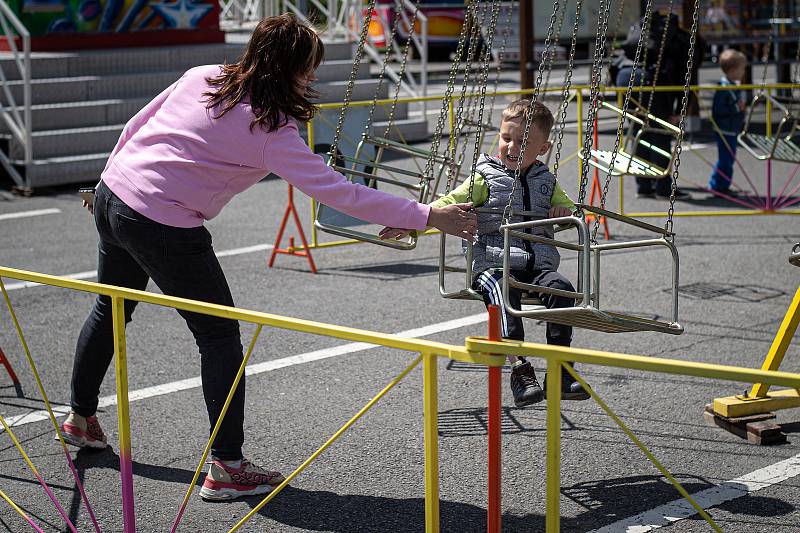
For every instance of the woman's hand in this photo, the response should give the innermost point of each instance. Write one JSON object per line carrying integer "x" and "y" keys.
{"x": 455, "y": 219}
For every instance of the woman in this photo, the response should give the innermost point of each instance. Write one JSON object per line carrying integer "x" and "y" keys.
{"x": 210, "y": 135}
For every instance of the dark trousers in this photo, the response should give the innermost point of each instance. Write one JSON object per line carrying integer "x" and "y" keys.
{"x": 490, "y": 284}
{"x": 722, "y": 175}
{"x": 182, "y": 263}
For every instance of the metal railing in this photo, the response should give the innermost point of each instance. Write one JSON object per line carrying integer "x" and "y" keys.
{"x": 18, "y": 124}
{"x": 478, "y": 350}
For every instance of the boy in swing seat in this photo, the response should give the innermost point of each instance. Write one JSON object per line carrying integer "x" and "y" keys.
{"x": 537, "y": 191}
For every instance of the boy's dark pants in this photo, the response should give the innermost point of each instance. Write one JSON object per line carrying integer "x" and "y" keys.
{"x": 723, "y": 171}
{"x": 181, "y": 261}
{"x": 490, "y": 284}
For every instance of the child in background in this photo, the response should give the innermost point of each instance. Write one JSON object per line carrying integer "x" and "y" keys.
{"x": 536, "y": 263}
{"x": 728, "y": 114}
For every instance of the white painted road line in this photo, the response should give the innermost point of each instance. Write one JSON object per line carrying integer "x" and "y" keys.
{"x": 26, "y": 214}
{"x": 251, "y": 370}
{"x": 91, "y": 274}
{"x": 672, "y": 512}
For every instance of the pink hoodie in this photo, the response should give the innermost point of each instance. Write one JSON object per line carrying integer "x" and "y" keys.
{"x": 177, "y": 165}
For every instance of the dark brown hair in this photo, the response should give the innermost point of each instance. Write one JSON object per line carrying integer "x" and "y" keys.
{"x": 542, "y": 118}
{"x": 281, "y": 50}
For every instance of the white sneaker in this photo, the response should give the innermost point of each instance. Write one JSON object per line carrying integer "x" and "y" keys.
{"x": 236, "y": 479}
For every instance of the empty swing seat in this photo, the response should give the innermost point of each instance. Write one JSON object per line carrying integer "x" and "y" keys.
{"x": 626, "y": 164}
{"x": 763, "y": 147}
{"x": 604, "y": 321}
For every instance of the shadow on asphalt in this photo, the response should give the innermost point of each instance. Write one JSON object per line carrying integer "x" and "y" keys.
{"x": 604, "y": 502}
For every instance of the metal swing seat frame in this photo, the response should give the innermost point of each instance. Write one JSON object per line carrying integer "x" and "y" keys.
{"x": 422, "y": 186}
{"x": 625, "y": 162}
{"x": 778, "y": 145}
{"x": 587, "y": 313}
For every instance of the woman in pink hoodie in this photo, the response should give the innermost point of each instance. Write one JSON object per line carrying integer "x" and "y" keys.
{"x": 213, "y": 133}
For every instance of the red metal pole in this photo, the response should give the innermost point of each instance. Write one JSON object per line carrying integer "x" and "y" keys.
{"x": 7, "y": 364}
{"x": 494, "y": 515}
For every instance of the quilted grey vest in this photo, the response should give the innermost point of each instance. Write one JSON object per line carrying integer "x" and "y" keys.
{"x": 533, "y": 194}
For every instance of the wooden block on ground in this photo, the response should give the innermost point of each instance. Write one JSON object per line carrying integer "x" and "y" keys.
{"x": 758, "y": 429}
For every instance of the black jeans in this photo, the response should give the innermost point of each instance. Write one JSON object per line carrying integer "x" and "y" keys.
{"x": 182, "y": 263}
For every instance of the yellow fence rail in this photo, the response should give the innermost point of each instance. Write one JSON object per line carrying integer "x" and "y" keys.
{"x": 476, "y": 350}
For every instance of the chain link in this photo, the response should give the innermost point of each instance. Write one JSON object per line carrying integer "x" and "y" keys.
{"x": 681, "y": 127}
{"x": 404, "y": 61}
{"x": 768, "y": 49}
{"x": 621, "y": 121}
{"x": 594, "y": 92}
{"x": 561, "y": 115}
{"x": 529, "y": 117}
{"x": 661, "y": 48}
{"x": 352, "y": 80}
{"x": 443, "y": 112}
{"x": 482, "y": 84}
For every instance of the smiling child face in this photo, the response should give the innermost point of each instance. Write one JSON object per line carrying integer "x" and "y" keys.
{"x": 511, "y": 133}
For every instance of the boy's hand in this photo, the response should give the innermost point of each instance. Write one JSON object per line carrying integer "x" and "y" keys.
{"x": 455, "y": 219}
{"x": 394, "y": 233}
{"x": 742, "y": 106}
{"x": 89, "y": 206}
{"x": 559, "y": 211}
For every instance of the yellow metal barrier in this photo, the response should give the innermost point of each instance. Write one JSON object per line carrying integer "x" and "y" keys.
{"x": 476, "y": 350}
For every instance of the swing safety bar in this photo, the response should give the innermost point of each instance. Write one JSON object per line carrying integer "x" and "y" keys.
{"x": 794, "y": 259}
{"x": 587, "y": 312}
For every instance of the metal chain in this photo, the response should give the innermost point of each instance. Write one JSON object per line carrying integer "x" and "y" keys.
{"x": 562, "y": 109}
{"x": 681, "y": 126}
{"x": 472, "y": 16}
{"x": 386, "y": 55}
{"x": 594, "y": 92}
{"x": 443, "y": 112}
{"x": 529, "y": 118}
{"x": 661, "y": 48}
{"x": 500, "y": 56}
{"x": 621, "y": 120}
{"x": 406, "y": 49}
{"x": 552, "y": 56}
{"x": 482, "y": 84}
{"x": 768, "y": 50}
{"x": 472, "y": 104}
{"x": 352, "y": 80}
{"x": 618, "y": 22}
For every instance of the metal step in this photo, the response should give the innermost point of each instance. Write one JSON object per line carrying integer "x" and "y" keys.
{"x": 67, "y": 142}
{"x": 65, "y": 170}
{"x": 81, "y": 114}
{"x": 141, "y": 85}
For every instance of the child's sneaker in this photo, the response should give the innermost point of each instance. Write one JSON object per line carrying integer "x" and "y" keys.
{"x": 571, "y": 389}
{"x": 236, "y": 479}
{"x": 83, "y": 432}
{"x": 524, "y": 386}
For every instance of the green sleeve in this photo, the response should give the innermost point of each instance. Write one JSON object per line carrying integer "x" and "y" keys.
{"x": 560, "y": 198}
{"x": 460, "y": 194}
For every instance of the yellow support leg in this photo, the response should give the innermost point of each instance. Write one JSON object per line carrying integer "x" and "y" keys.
{"x": 431, "y": 432}
{"x": 553, "y": 516}
{"x": 780, "y": 344}
{"x": 759, "y": 400}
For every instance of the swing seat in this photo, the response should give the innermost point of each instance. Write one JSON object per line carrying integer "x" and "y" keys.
{"x": 763, "y": 147}
{"x": 605, "y": 321}
{"x": 779, "y": 145}
{"x": 586, "y": 313}
{"x": 626, "y": 164}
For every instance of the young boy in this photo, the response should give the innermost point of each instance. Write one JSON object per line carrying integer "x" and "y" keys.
{"x": 728, "y": 113}
{"x": 535, "y": 263}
